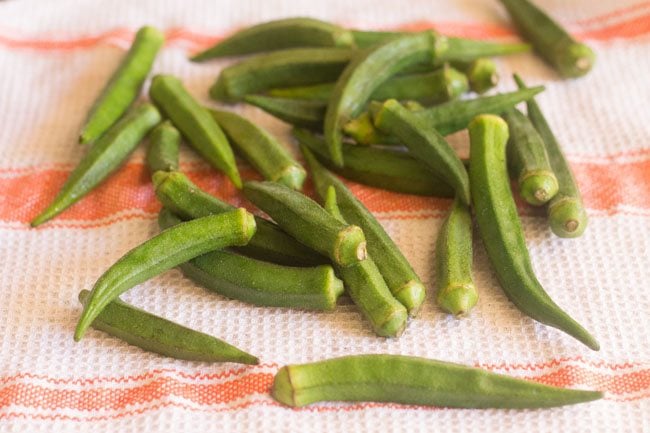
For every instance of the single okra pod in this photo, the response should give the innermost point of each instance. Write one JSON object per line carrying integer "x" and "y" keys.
{"x": 451, "y": 116}
{"x": 163, "y": 252}
{"x": 482, "y": 74}
{"x": 528, "y": 161}
{"x": 104, "y": 157}
{"x": 260, "y": 283}
{"x": 383, "y": 168}
{"x": 195, "y": 123}
{"x": 309, "y": 223}
{"x": 569, "y": 57}
{"x": 413, "y": 380}
{"x": 424, "y": 142}
{"x": 366, "y": 72}
{"x": 566, "y": 212}
{"x": 178, "y": 194}
{"x": 501, "y": 231}
{"x": 300, "y": 113}
{"x": 263, "y": 151}
{"x": 124, "y": 86}
{"x": 367, "y": 288}
{"x": 278, "y": 35}
{"x": 164, "y": 143}
{"x": 158, "y": 335}
{"x": 457, "y": 293}
{"x": 400, "y": 277}
{"x": 293, "y": 67}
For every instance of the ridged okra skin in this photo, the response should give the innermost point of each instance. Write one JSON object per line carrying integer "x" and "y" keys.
{"x": 164, "y": 144}
{"x": 302, "y": 113}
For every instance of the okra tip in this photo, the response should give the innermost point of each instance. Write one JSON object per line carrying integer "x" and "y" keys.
{"x": 458, "y": 300}
{"x": 538, "y": 187}
{"x": 282, "y": 389}
{"x": 350, "y": 246}
{"x": 293, "y": 176}
{"x": 490, "y": 124}
{"x": 567, "y": 218}
{"x": 456, "y": 83}
{"x": 249, "y": 226}
{"x": 411, "y": 295}
{"x": 394, "y": 325}
{"x": 576, "y": 60}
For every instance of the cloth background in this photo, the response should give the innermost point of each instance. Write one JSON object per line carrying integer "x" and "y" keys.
{"x": 54, "y": 59}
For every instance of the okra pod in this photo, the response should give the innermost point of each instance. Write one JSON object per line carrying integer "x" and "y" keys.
{"x": 164, "y": 143}
{"x": 300, "y": 113}
{"x": 481, "y": 74}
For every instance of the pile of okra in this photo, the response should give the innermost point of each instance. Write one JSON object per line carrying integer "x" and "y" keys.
{"x": 372, "y": 107}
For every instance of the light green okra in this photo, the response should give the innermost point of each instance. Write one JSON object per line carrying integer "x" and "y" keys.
{"x": 482, "y": 74}
{"x": 164, "y": 143}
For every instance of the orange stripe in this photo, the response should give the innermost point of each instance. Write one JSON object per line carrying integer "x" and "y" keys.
{"x": 633, "y": 28}
{"x": 616, "y": 13}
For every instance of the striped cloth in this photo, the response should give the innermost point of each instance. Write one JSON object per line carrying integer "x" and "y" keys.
{"x": 54, "y": 59}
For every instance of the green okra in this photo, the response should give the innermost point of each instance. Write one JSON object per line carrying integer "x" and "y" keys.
{"x": 366, "y": 72}
{"x": 263, "y": 151}
{"x": 195, "y": 123}
{"x": 105, "y": 156}
{"x": 158, "y": 335}
{"x": 528, "y": 161}
{"x": 309, "y": 223}
{"x": 367, "y": 288}
{"x": 401, "y": 279}
{"x": 292, "y": 67}
{"x": 414, "y": 380}
{"x": 180, "y": 195}
{"x": 423, "y": 142}
{"x": 164, "y": 143}
{"x": 569, "y": 57}
{"x": 260, "y": 283}
{"x": 277, "y": 35}
{"x": 566, "y": 211}
{"x": 456, "y": 292}
{"x": 383, "y": 168}
{"x": 501, "y": 231}
{"x": 301, "y": 113}
{"x": 124, "y": 86}
{"x": 482, "y": 74}
{"x": 446, "y": 118}
{"x": 163, "y": 252}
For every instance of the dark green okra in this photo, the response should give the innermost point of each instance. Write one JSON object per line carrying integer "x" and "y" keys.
{"x": 195, "y": 123}
{"x": 124, "y": 86}
{"x": 384, "y": 168}
{"x": 163, "y": 252}
{"x": 178, "y": 194}
{"x": 482, "y": 74}
{"x": 566, "y": 212}
{"x": 260, "y": 283}
{"x": 501, "y": 231}
{"x": 446, "y": 118}
{"x": 569, "y": 57}
{"x": 308, "y": 222}
{"x": 367, "y": 70}
{"x": 278, "y": 35}
{"x": 424, "y": 143}
{"x": 104, "y": 157}
{"x": 367, "y": 288}
{"x": 164, "y": 143}
{"x": 456, "y": 292}
{"x": 158, "y": 335}
{"x": 300, "y": 113}
{"x": 413, "y": 380}
{"x": 400, "y": 277}
{"x": 528, "y": 161}
{"x": 263, "y": 151}
{"x": 293, "y": 67}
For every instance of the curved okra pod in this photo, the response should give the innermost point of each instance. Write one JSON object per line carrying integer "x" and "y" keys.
{"x": 456, "y": 290}
{"x": 263, "y": 151}
{"x": 383, "y": 168}
{"x": 163, "y": 252}
{"x": 397, "y": 272}
{"x": 104, "y": 157}
{"x": 309, "y": 223}
{"x": 566, "y": 212}
{"x": 569, "y": 57}
{"x": 293, "y": 67}
{"x": 178, "y": 194}
{"x": 260, "y": 283}
{"x": 482, "y": 74}
{"x": 367, "y": 288}
{"x": 413, "y": 380}
{"x": 195, "y": 123}
{"x": 301, "y": 113}
{"x": 277, "y": 35}
{"x": 164, "y": 143}
{"x": 366, "y": 72}
{"x": 424, "y": 142}
{"x": 125, "y": 84}
{"x": 158, "y": 335}
{"x": 501, "y": 230}
{"x": 528, "y": 161}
